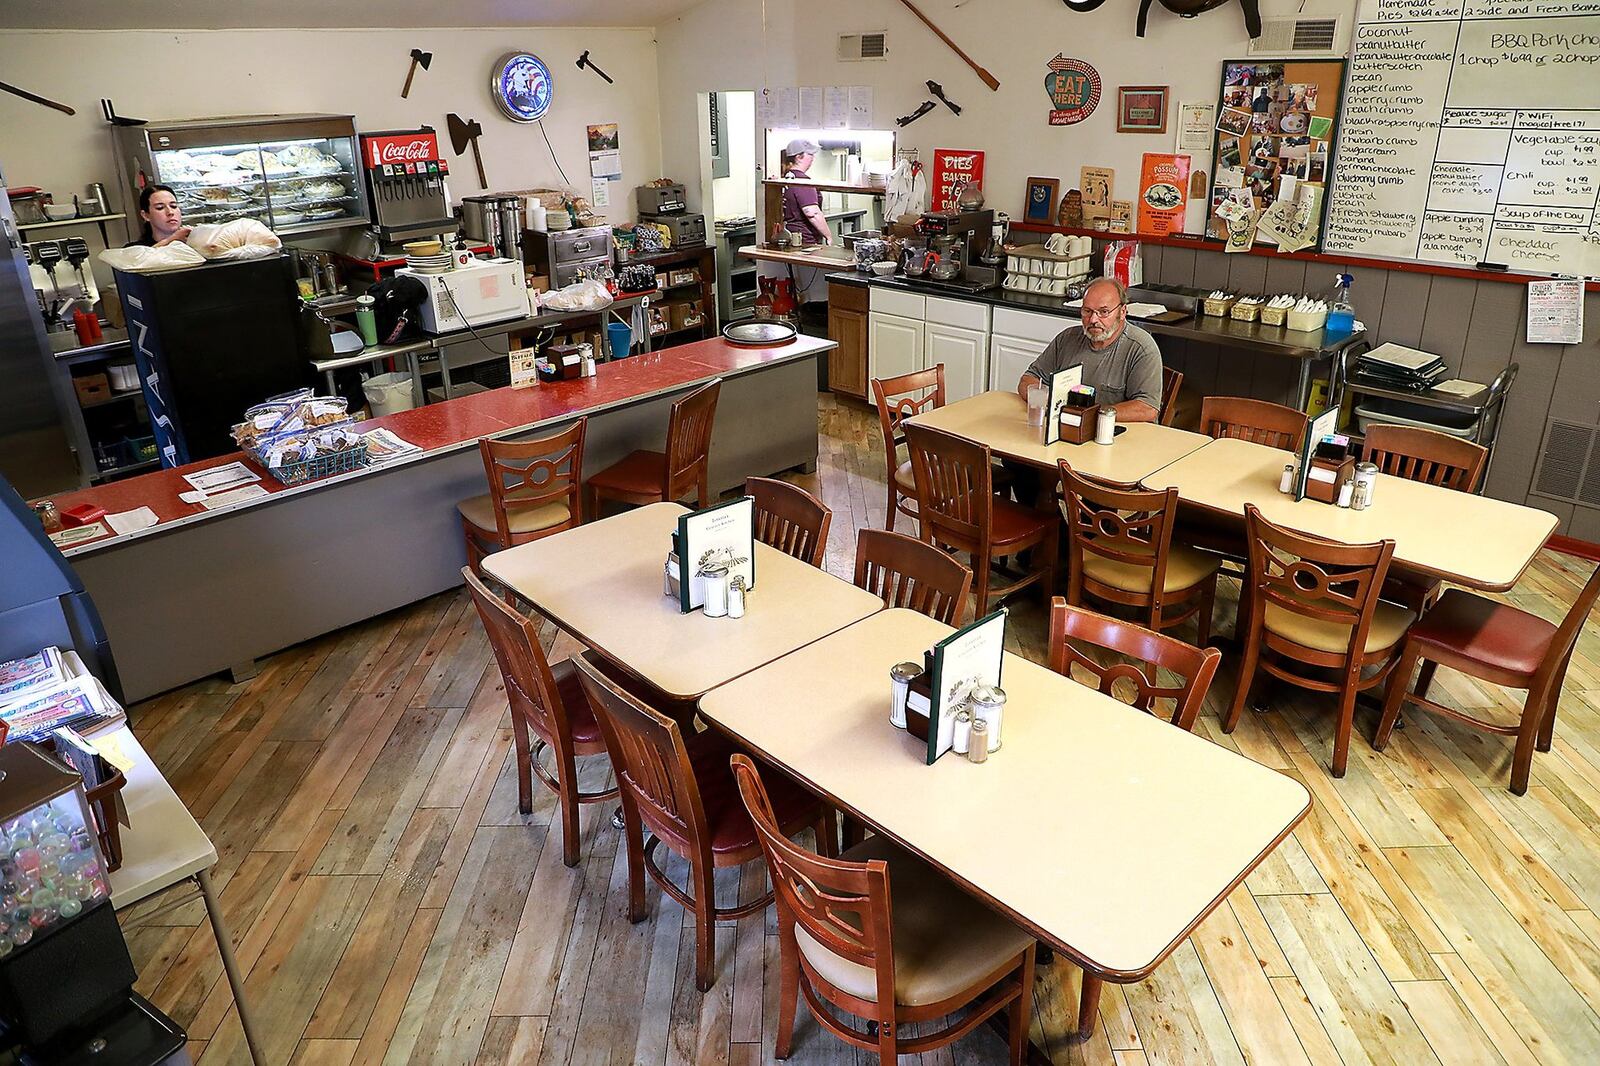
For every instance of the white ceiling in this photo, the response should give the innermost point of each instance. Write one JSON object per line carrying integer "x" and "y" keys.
{"x": 234, "y": 14}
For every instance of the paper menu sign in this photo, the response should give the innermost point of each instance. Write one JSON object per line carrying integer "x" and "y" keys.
{"x": 1163, "y": 193}
{"x": 724, "y": 533}
{"x": 836, "y": 107}
{"x": 970, "y": 657}
{"x": 1555, "y": 312}
{"x": 1060, "y": 383}
{"x": 1324, "y": 425}
{"x": 1096, "y": 184}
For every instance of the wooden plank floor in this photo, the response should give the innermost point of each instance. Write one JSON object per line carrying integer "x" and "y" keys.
{"x": 392, "y": 906}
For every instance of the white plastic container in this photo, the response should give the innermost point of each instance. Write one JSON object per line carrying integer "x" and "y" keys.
{"x": 389, "y": 394}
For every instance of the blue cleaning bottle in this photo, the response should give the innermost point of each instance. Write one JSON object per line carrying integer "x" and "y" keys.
{"x": 1342, "y": 315}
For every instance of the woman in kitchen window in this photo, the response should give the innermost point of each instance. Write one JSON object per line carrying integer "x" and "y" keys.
{"x": 163, "y": 218}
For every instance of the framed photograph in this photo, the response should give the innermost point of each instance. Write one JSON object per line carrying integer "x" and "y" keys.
{"x": 1142, "y": 108}
{"x": 1040, "y": 202}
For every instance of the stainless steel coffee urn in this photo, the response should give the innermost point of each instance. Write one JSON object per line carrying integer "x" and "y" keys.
{"x": 513, "y": 214}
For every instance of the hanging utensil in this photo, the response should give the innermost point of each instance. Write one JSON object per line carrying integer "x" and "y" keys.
{"x": 419, "y": 58}
{"x": 46, "y": 101}
{"x": 988, "y": 79}
{"x": 922, "y": 109}
{"x": 938, "y": 90}
{"x": 464, "y": 133}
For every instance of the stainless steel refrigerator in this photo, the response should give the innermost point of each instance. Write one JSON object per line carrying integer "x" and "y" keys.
{"x": 37, "y": 451}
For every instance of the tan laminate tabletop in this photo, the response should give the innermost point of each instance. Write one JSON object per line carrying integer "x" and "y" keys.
{"x": 1472, "y": 540}
{"x": 1000, "y": 420}
{"x": 1106, "y": 831}
{"x": 602, "y": 583}
{"x": 826, "y": 256}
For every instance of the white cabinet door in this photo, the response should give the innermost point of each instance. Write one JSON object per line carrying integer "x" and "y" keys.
{"x": 1008, "y": 358}
{"x": 965, "y": 355}
{"x": 894, "y": 345}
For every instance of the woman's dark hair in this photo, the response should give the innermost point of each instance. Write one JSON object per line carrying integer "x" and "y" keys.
{"x": 146, "y": 234}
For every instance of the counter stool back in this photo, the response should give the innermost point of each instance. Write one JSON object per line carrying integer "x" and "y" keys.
{"x": 897, "y": 399}
{"x": 533, "y": 492}
{"x": 547, "y": 703}
{"x": 905, "y": 572}
{"x": 790, "y": 519}
{"x": 666, "y": 477}
{"x": 1194, "y": 667}
{"x": 1171, "y": 385}
{"x": 1258, "y": 421}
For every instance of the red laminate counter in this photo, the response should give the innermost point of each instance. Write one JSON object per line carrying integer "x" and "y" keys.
{"x": 450, "y": 425}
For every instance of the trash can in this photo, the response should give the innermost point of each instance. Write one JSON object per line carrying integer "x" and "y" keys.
{"x": 389, "y": 394}
{"x": 619, "y": 335}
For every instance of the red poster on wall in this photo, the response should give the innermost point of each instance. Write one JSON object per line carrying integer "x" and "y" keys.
{"x": 952, "y": 167}
{"x": 1163, "y": 189}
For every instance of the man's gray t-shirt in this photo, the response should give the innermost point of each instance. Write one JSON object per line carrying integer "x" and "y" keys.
{"x": 1130, "y": 369}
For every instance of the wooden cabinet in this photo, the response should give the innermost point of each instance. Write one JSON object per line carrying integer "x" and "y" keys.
{"x": 894, "y": 345}
{"x": 964, "y": 353}
{"x": 847, "y": 327}
{"x": 1008, "y": 358}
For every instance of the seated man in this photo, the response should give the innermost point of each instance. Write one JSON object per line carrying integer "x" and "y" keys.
{"x": 1121, "y": 361}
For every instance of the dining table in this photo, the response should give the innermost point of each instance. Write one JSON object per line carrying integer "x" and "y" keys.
{"x": 999, "y": 420}
{"x": 603, "y": 583}
{"x": 1105, "y": 832}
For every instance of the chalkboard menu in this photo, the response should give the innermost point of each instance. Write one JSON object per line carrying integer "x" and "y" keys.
{"x": 1471, "y": 134}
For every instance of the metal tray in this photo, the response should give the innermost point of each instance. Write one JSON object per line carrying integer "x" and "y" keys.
{"x": 759, "y": 334}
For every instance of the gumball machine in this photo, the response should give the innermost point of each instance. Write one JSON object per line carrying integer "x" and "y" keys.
{"x": 62, "y": 957}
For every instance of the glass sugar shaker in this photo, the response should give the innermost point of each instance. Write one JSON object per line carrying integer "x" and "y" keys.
{"x": 989, "y": 705}
{"x": 900, "y": 678}
{"x": 1366, "y": 484}
{"x": 716, "y": 585}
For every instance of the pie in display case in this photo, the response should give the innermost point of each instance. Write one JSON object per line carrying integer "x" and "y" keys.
{"x": 293, "y": 173}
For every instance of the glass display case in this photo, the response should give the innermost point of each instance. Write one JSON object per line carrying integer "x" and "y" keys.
{"x": 293, "y": 173}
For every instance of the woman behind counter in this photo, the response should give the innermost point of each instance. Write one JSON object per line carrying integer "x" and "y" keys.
{"x": 163, "y": 218}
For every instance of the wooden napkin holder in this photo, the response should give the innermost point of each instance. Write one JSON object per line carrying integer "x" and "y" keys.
{"x": 1327, "y": 491}
{"x": 919, "y": 700}
{"x": 1083, "y": 432}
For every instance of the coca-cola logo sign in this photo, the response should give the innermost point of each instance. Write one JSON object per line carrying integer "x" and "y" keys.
{"x": 406, "y": 148}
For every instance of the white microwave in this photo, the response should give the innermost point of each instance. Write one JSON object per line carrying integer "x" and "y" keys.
{"x": 488, "y": 291}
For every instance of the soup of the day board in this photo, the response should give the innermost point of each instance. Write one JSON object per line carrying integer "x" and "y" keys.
{"x": 1471, "y": 134}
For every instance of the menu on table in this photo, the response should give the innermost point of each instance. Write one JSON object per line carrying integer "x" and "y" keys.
{"x": 1471, "y": 134}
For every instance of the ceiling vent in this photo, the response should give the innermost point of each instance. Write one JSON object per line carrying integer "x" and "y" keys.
{"x": 1296, "y": 36}
{"x": 854, "y": 47}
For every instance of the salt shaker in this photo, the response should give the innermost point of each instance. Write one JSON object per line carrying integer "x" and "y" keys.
{"x": 1105, "y": 425}
{"x": 716, "y": 584}
{"x": 978, "y": 742}
{"x": 1346, "y": 492}
{"x": 900, "y": 678}
{"x": 963, "y": 731}
{"x": 736, "y": 597}
{"x": 1286, "y": 482}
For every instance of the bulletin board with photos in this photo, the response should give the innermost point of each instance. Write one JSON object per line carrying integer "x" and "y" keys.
{"x": 1277, "y": 121}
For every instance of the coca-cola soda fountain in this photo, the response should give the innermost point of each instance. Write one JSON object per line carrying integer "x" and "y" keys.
{"x": 406, "y": 184}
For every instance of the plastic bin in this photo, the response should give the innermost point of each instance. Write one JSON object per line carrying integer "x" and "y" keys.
{"x": 1420, "y": 416}
{"x": 619, "y": 335}
{"x": 389, "y": 394}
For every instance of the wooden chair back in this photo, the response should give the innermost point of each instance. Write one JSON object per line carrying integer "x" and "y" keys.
{"x": 955, "y": 488}
{"x": 790, "y": 519}
{"x": 524, "y": 475}
{"x": 1319, "y": 579}
{"x": 1426, "y": 455}
{"x": 651, "y": 763}
{"x": 1194, "y": 667}
{"x": 1547, "y": 680}
{"x": 689, "y": 439}
{"x": 904, "y": 572}
{"x": 844, "y": 906}
{"x": 530, "y": 687}
{"x": 1259, "y": 421}
{"x": 899, "y": 398}
{"x": 1171, "y": 385}
{"x": 1126, "y": 525}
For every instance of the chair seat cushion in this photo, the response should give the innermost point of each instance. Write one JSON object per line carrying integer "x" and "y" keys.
{"x": 1186, "y": 568}
{"x": 945, "y": 942}
{"x": 1014, "y": 522}
{"x": 1463, "y": 626}
{"x": 637, "y": 472}
{"x": 905, "y": 479}
{"x": 580, "y": 714}
{"x": 732, "y": 832}
{"x": 479, "y": 511}
{"x": 1389, "y": 623}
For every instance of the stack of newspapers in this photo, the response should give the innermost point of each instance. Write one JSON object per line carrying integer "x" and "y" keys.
{"x": 40, "y": 693}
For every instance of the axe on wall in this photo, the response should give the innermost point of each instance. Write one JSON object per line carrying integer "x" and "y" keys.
{"x": 419, "y": 58}
{"x": 585, "y": 61}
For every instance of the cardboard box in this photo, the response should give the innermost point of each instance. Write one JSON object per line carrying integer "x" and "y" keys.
{"x": 92, "y": 387}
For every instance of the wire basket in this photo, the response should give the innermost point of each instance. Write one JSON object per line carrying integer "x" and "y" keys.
{"x": 319, "y": 466}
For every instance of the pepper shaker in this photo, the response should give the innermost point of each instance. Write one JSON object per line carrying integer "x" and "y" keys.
{"x": 978, "y": 741}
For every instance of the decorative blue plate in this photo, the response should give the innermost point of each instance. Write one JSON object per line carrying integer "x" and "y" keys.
{"x": 522, "y": 86}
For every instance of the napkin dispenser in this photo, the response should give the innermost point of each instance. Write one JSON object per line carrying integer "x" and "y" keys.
{"x": 1326, "y": 476}
{"x": 1077, "y": 423}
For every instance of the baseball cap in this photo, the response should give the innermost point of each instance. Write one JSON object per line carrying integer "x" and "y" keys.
{"x": 800, "y": 146}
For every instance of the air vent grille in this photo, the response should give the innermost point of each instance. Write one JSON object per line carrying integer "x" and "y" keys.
{"x": 1296, "y": 36}
{"x": 854, "y": 47}
{"x": 1567, "y": 447}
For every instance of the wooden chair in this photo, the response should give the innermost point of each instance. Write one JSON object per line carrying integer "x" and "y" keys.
{"x": 905, "y": 572}
{"x": 1120, "y": 550}
{"x": 1502, "y": 645}
{"x": 545, "y": 701}
{"x": 651, "y": 477}
{"x": 680, "y": 786}
{"x": 1426, "y": 455}
{"x": 1435, "y": 459}
{"x": 533, "y": 492}
{"x": 790, "y": 519}
{"x": 1171, "y": 385}
{"x": 1315, "y": 602}
{"x": 897, "y": 399}
{"x": 924, "y": 952}
{"x": 1266, "y": 423}
{"x": 959, "y": 510}
{"x": 1195, "y": 667}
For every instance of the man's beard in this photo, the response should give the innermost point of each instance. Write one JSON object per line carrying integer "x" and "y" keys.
{"x": 1097, "y": 333}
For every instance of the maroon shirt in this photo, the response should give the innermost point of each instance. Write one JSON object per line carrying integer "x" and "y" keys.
{"x": 796, "y": 198}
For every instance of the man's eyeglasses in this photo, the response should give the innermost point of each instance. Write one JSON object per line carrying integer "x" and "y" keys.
{"x": 1101, "y": 312}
